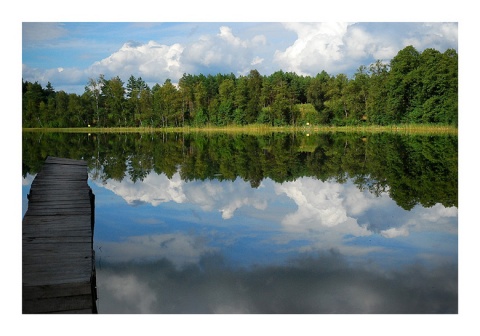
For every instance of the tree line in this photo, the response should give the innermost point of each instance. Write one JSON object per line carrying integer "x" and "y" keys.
{"x": 414, "y": 87}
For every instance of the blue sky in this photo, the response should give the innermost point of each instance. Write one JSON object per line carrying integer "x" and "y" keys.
{"x": 67, "y": 54}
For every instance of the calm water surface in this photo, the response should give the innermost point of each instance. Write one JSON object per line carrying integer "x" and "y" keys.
{"x": 279, "y": 223}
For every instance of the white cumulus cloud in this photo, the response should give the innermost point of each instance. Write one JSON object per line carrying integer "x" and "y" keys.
{"x": 318, "y": 47}
{"x": 155, "y": 189}
{"x": 226, "y": 35}
{"x": 439, "y": 211}
{"x": 305, "y": 48}
{"x": 180, "y": 248}
{"x": 256, "y": 60}
{"x": 327, "y": 210}
{"x": 320, "y": 205}
{"x": 395, "y": 232}
{"x": 224, "y": 52}
{"x": 438, "y": 35}
{"x": 150, "y": 60}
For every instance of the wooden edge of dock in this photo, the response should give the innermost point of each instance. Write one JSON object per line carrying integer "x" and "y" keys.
{"x": 58, "y": 259}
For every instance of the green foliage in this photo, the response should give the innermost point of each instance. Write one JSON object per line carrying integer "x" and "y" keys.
{"x": 411, "y": 169}
{"x": 413, "y": 88}
{"x": 307, "y": 114}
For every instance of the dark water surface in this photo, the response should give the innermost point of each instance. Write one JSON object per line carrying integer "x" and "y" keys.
{"x": 278, "y": 223}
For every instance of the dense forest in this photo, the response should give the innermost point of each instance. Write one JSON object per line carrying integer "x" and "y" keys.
{"x": 414, "y": 87}
{"x": 412, "y": 169}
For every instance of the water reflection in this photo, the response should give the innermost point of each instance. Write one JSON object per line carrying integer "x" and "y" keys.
{"x": 192, "y": 239}
{"x": 305, "y": 246}
{"x": 325, "y": 283}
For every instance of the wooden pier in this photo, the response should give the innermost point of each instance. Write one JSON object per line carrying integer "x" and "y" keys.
{"x": 58, "y": 260}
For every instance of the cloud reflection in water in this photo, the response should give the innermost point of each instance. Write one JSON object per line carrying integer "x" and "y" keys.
{"x": 305, "y": 246}
{"x": 325, "y": 283}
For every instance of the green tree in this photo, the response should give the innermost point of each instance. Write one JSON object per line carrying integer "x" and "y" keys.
{"x": 61, "y": 110}
{"x": 241, "y": 100}
{"x": 336, "y": 103}
{"x": 77, "y": 116}
{"x": 357, "y": 94}
{"x": 437, "y": 97}
{"x": 135, "y": 89}
{"x": 280, "y": 107}
{"x": 267, "y": 95}
{"x": 114, "y": 94}
{"x": 32, "y": 97}
{"x": 376, "y": 103}
{"x": 254, "y": 88}
{"x": 226, "y": 93}
{"x": 402, "y": 84}
{"x": 201, "y": 104}
{"x": 89, "y": 112}
{"x": 317, "y": 95}
{"x": 168, "y": 103}
{"x": 186, "y": 87}
{"x": 93, "y": 91}
{"x": 145, "y": 104}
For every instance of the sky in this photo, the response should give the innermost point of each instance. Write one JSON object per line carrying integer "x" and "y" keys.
{"x": 68, "y": 54}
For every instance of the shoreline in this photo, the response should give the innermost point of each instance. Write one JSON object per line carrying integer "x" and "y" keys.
{"x": 261, "y": 129}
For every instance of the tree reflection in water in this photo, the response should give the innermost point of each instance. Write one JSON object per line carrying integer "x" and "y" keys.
{"x": 277, "y": 223}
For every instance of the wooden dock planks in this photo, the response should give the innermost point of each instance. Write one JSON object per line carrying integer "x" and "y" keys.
{"x": 58, "y": 261}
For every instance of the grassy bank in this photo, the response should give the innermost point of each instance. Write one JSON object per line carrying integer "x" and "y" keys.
{"x": 263, "y": 129}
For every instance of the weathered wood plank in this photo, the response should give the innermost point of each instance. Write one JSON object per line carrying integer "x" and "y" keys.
{"x": 79, "y": 264}
{"x": 68, "y": 273}
{"x": 55, "y": 304}
{"x": 51, "y": 212}
{"x": 42, "y": 292}
{"x": 58, "y": 260}
{"x": 62, "y": 167}
{"x": 60, "y": 207}
{"x": 52, "y": 229}
{"x": 61, "y": 204}
{"x": 78, "y": 272}
{"x": 56, "y": 220}
{"x": 55, "y": 186}
{"x": 56, "y": 240}
{"x": 52, "y": 159}
{"x": 76, "y": 311}
{"x": 45, "y": 277}
{"x": 56, "y": 227}
{"x": 30, "y": 233}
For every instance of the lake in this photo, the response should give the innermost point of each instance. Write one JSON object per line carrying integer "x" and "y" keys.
{"x": 330, "y": 223}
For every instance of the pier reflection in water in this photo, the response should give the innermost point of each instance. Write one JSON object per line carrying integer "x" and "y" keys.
{"x": 277, "y": 223}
